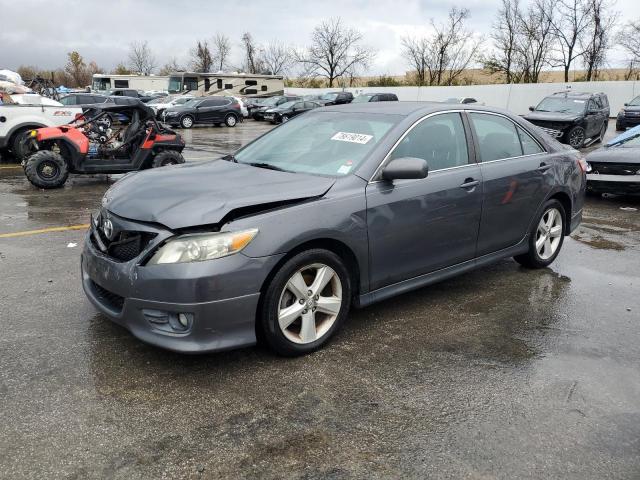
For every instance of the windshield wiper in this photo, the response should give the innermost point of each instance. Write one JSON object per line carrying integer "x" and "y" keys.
{"x": 268, "y": 166}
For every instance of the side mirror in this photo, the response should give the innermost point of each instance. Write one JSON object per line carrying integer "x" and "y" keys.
{"x": 626, "y": 104}
{"x": 405, "y": 168}
{"x": 531, "y": 109}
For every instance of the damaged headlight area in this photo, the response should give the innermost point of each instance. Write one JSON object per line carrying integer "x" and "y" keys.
{"x": 199, "y": 247}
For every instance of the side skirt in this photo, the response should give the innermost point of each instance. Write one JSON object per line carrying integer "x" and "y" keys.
{"x": 439, "y": 275}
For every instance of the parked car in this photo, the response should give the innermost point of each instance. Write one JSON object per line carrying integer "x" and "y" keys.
{"x": 84, "y": 99}
{"x": 253, "y": 102}
{"x": 27, "y": 112}
{"x": 160, "y": 104}
{"x": 243, "y": 107}
{"x": 629, "y": 115}
{"x": 376, "y": 97}
{"x": 345, "y": 205}
{"x": 130, "y": 92}
{"x": 286, "y": 111}
{"x": 335, "y": 98}
{"x": 214, "y": 110}
{"x": 312, "y": 97}
{"x": 462, "y": 100}
{"x": 257, "y": 112}
{"x": 573, "y": 118}
{"x": 615, "y": 168}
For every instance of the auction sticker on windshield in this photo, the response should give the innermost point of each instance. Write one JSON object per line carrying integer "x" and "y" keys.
{"x": 352, "y": 137}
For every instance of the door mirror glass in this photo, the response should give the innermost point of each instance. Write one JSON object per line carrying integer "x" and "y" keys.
{"x": 405, "y": 168}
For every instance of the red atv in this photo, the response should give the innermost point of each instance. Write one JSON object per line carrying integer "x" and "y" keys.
{"x": 92, "y": 144}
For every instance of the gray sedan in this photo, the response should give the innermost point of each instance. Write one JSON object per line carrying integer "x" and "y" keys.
{"x": 343, "y": 206}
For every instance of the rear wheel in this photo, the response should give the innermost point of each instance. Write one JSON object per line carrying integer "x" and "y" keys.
{"x": 230, "y": 120}
{"x": 306, "y": 302}
{"x": 22, "y": 145}
{"x": 46, "y": 169}
{"x": 186, "y": 121}
{"x": 619, "y": 127}
{"x": 169, "y": 157}
{"x": 546, "y": 238}
{"x": 576, "y": 137}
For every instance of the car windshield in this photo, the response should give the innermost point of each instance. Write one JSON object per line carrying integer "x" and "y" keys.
{"x": 561, "y": 105}
{"x": 182, "y": 101}
{"x": 155, "y": 101}
{"x": 270, "y": 101}
{"x": 362, "y": 98}
{"x": 286, "y": 105}
{"x": 329, "y": 96}
{"x": 192, "y": 102}
{"x": 323, "y": 143}
{"x": 635, "y": 102}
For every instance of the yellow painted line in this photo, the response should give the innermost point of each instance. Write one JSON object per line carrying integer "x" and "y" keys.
{"x": 44, "y": 230}
{"x": 10, "y": 167}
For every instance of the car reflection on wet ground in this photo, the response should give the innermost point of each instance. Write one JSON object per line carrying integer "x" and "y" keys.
{"x": 500, "y": 373}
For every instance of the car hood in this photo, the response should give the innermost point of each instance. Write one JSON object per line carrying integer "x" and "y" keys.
{"x": 632, "y": 108}
{"x": 204, "y": 193}
{"x": 615, "y": 155}
{"x": 551, "y": 117}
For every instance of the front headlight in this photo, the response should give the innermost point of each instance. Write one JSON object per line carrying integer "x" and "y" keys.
{"x": 589, "y": 167}
{"x": 199, "y": 247}
{"x": 171, "y": 114}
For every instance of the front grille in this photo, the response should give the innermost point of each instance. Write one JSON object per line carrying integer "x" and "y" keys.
{"x": 110, "y": 299}
{"x": 615, "y": 168}
{"x": 550, "y": 131}
{"x": 125, "y": 247}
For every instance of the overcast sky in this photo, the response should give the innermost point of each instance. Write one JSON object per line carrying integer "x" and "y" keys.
{"x": 34, "y": 32}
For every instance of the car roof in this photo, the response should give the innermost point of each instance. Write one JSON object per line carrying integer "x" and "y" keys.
{"x": 574, "y": 94}
{"x": 409, "y": 108}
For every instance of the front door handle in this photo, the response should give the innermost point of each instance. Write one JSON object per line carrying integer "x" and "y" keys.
{"x": 543, "y": 167}
{"x": 470, "y": 183}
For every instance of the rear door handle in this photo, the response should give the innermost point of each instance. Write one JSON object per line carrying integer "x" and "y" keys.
{"x": 470, "y": 183}
{"x": 543, "y": 167}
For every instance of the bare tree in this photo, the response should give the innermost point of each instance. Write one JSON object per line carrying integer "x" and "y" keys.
{"x": 252, "y": 54}
{"x": 536, "y": 30}
{"x": 201, "y": 59}
{"x": 629, "y": 39}
{"x": 416, "y": 51}
{"x": 221, "y": 49}
{"x": 170, "y": 67}
{"x": 77, "y": 70}
{"x": 277, "y": 57}
{"x": 506, "y": 38}
{"x": 570, "y": 21}
{"x": 141, "y": 59}
{"x": 597, "y": 40}
{"x": 441, "y": 58}
{"x": 334, "y": 51}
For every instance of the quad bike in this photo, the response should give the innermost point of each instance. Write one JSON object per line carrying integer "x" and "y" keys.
{"x": 92, "y": 145}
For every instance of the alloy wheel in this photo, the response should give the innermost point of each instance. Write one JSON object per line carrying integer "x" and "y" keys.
{"x": 577, "y": 138}
{"x": 549, "y": 233}
{"x": 231, "y": 121}
{"x": 187, "y": 122}
{"x": 310, "y": 303}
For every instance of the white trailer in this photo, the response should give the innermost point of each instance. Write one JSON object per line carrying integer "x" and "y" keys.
{"x": 104, "y": 82}
{"x": 231, "y": 84}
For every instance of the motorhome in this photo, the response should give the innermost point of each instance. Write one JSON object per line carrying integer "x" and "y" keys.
{"x": 105, "y": 82}
{"x": 239, "y": 84}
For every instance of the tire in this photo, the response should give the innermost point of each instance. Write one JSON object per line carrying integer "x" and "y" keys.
{"x": 186, "y": 121}
{"x": 541, "y": 256}
{"x": 295, "y": 339}
{"x": 285, "y": 118}
{"x": 620, "y": 127}
{"x": 46, "y": 169}
{"x": 230, "y": 120}
{"x": 20, "y": 145}
{"x": 576, "y": 137}
{"x": 168, "y": 157}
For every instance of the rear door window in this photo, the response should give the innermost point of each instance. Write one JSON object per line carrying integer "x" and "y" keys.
{"x": 497, "y": 137}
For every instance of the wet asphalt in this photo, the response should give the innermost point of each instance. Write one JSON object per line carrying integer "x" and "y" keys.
{"x": 501, "y": 373}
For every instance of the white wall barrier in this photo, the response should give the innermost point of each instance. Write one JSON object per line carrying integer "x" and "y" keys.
{"x": 515, "y": 97}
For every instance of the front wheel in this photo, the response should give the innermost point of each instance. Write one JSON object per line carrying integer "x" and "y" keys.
{"x": 545, "y": 241}
{"x": 230, "y": 120}
{"x": 576, "y": 137}
{"x": 186, "y": 121}
{"x": 285, "y": 118}
{"x": 306, "y": 302}
{"x": 169, "y": 157}
{"x": 22, "y": 145}
{"x": 620, "y": 127}
{"x": 46, "y": 169}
